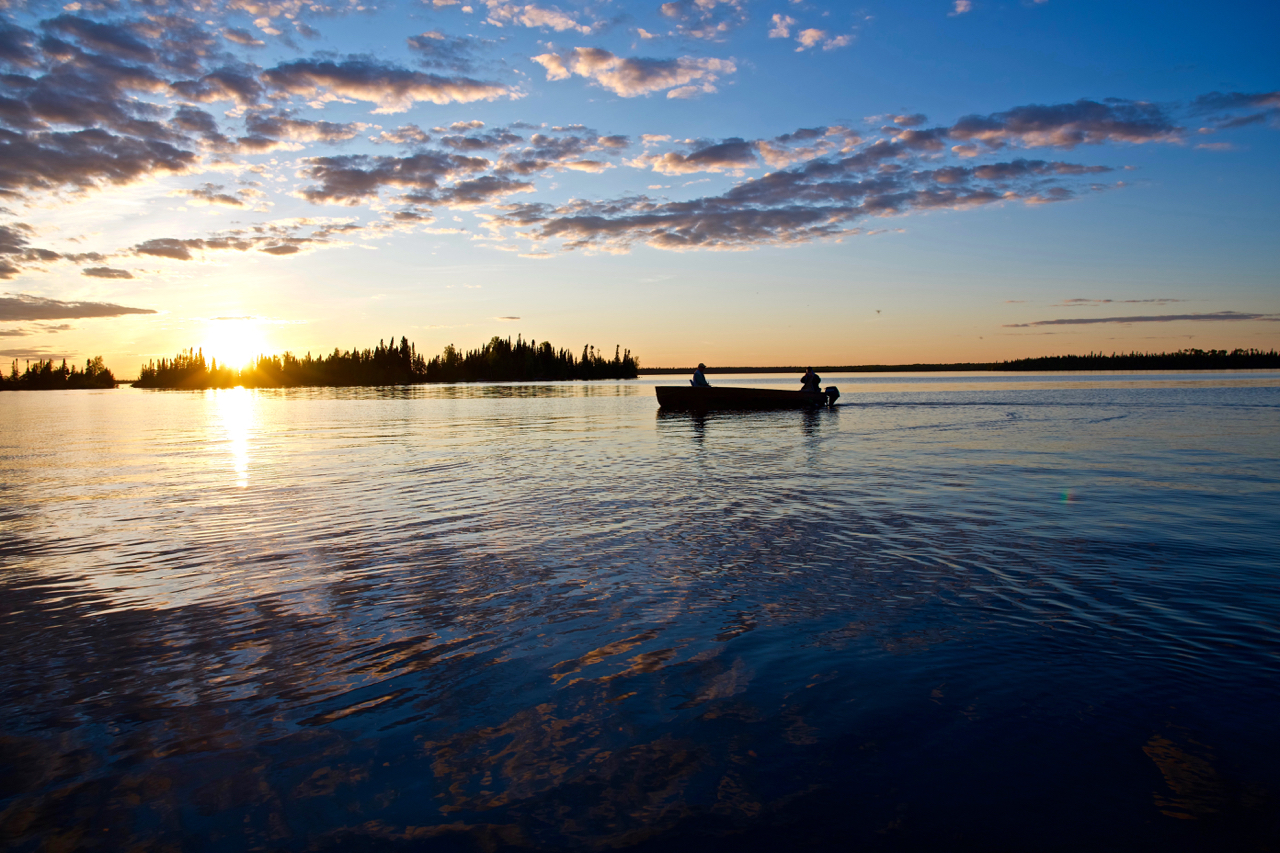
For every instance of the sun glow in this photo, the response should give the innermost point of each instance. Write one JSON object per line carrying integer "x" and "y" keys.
{"x": 234, "y": 343}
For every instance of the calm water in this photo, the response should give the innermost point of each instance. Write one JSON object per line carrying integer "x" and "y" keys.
{"x": 959, "y": 612}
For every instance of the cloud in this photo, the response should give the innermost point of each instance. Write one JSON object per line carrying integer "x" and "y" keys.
{"x": 809, "y": 38}
{"x": 483, "y": 190}
{"x": 737, "y": 154}
{"x": 211, "y": 194}
{"x": 82, "y": 160}
{"x": 705, "y": 19}
{"x": 105, "y": 272}
{"x": 352, "y": 178}
{"x": 35, "y": 352}
{"x": 629, "y": 77}
{"x": 1225, "y": 103}
{"x": 781, "y": 28}
{"x": 280, "y": 238}
{"x": 962, "y": 7}
{"x": 17, "y": 46}
{"x": 1215, "y": 101}
{"x": 16, "y": 252}
{"x": 1069, "y": 125}
{"x": 931, "y": 139}
{"x": 242, "y": 37}
{"x": 530, "y": 15}
{"x": 562, "y": 152}
{"x": 812, "y": 37}
{"x": 506, "y": 318}
{"x": 229, "y": 83}
{"x": 23, "y": 307}
{"x": 408, "y": 134}
{"x": 273, "y": 126}
{"x": 437, "y": 50}
{"x": 192, "y": 120}
{"x": 114, "y": 39}
{"x": 392, "y": 88}
{"x": 1219, "y": 316}
{"x": 495, "y": 139}
{"x": 819, "y": 199}
{"x": 729, "y": 155}
{"x": 1072, "y": 303}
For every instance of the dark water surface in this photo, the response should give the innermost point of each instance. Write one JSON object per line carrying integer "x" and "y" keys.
{"x": 1028, "y": 613}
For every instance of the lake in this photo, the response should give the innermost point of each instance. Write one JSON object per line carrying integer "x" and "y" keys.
{"x": 1031, "y": 612}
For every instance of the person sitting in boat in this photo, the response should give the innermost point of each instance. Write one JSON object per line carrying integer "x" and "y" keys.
{"x": 699, "y": 380}
{"x": 811, "y": 381}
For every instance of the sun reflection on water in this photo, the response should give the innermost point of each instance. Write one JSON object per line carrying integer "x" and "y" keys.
{"x": 238, "y": 416}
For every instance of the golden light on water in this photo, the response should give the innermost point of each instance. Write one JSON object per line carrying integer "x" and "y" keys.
{"x": 236, "y": 412}
{"x": 234, "y": 342}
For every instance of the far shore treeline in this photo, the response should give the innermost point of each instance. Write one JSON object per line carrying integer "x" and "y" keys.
{"x": 1187, "y": 359}
{"x": 502, "y": 360}
{"x": 43, "y": 376}
{"x": 499, "y": 360}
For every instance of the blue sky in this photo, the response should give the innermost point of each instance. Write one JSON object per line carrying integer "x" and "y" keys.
{"x": 730, "y": 181}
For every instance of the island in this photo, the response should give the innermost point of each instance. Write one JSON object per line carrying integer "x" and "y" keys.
{"x": 499, "y": 360}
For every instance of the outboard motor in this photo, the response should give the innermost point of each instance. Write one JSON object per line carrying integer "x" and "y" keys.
{"x": 833, "y": 394}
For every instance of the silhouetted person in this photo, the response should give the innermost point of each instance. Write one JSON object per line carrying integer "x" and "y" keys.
{"x": 698, "y": 380}
{"x": 811, "y": 381}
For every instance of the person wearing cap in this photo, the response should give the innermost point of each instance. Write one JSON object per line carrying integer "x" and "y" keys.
{"x": 699, "y": 380}
{"x": 810, "y": 381}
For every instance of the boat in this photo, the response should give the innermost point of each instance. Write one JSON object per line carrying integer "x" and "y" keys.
{"x": 702, "y": 398}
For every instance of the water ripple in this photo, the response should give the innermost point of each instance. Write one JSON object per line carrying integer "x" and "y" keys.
{"x": 545, "y": 617}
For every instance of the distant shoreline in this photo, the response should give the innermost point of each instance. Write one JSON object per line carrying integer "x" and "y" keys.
{"x": 1189, "y": 359}
{"x": 928, "y": 368}
{"x": 504, "y": 361}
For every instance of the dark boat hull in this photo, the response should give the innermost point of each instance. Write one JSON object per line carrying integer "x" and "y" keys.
{"x": 725, "y": 397}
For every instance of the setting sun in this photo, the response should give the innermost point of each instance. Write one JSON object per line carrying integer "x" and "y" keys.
{"x": 234, "y": 342}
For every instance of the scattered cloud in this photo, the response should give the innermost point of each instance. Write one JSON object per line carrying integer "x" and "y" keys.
{"x": 83, "y": 160}
{"x": 350, "y": 179}
{"x": 1069, "y": 125}
{"x": 710, "y": 20}
{"x": 434, "y": 49}
{"x": 105, "y": 272}
{"x": 16, "y": 253}
{"x": 630, "y": 77}
{"x": 813, "y": 37}
{"x": 96, "y": 98}
{"x": 962, "y": 7}
{"x": 1216, "y": 317}
{"x": 15, "y": 307}
{"x": 781, "y": 26}
{"x": 394, "y": 89}
{"x": 244, "y": 38}
{"x": 817, "y": 199}
{"x": 1071, "y": 303}
{"x": 278, "y": 125}
{"x": 35, "y": 352}
{"x": 531, "y": 15}
{"x": 728, "y": 156}
{"x": 238, "y": 83}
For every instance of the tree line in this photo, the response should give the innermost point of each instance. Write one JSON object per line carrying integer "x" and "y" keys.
{"x": 1184, "y": 359}
{"x": 43, "y": 376}
{"x": 499, "y": 360}
{"x": 1187, "y": 359}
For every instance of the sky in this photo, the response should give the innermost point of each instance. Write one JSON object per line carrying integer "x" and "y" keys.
{"x": 739, "y": 182}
